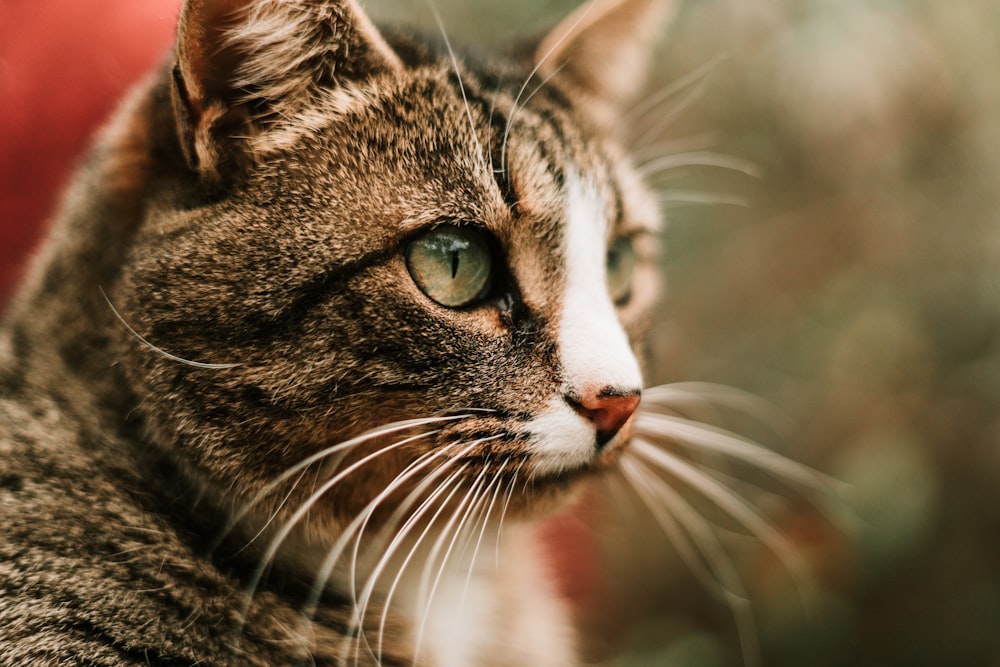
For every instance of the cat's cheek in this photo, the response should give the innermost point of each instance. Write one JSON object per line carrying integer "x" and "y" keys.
{"x": 560, "y": 441}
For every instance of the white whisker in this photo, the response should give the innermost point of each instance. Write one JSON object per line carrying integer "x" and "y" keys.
{"x": 404, "y": 507}
{"x": 477, "y": 513}
{"x": 461, "y": 84}
{"x": 489, "y": 127}
{"x": 426, "y": 590}
{"x": 733, "y": 505}
{"x": 453, "y": 483}
{"x": 523, "y": 103}
{"x": 454, "y": 528}
{"x": 700, "y": 79}
{"x": 274, "y": 515}
{"x": 357, "y": 524}
{"x": 698, "y": 159}
{"x": 341, "y": 447}
{"x": 689, "y": 197}
{"x": 163, "y": 353}
{"x": 709, "y": 393}
{"x": 637, "y": 479}
{"x": 482, "y": 532}
{"x": 688, "y": 144}
{"x": 362, "y": 601}
{"x": 356, "y": 527}
{"x": 412, "y": 521}
{"x": 308, "y": 504}
{"x": 541, "y": 61}
{"x": 703, "y": 437}
{"x": 726, "y": 576}
{"x": 335, "y": 552}
{"x": 506, "y": 504}
{"x": 658, "y": 97}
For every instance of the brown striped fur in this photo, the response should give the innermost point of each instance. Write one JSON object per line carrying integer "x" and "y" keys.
{"x": 247, "y": 210}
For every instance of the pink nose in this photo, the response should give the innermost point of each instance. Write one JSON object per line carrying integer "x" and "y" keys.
{"x": 608, "y": 410}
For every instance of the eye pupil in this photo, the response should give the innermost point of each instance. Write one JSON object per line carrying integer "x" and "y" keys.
{"x": 452, "y": 265}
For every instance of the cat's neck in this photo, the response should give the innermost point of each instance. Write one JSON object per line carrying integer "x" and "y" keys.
{"x": 471, "y": 595}
{"x": 468, "y": 591}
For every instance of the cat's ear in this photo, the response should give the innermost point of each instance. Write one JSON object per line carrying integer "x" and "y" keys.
{"x": 240, "y": 64}
{"x": 602, "y": 52}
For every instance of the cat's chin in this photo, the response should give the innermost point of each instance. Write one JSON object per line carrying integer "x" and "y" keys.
{"x": 550, "y": 492}
{"x": 604, "y": 459}
{"x": 611, "y": 454}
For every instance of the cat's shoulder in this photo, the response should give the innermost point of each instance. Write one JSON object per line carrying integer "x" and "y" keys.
{"x": 94, "y": 569}
{"x": 73, "y": 545}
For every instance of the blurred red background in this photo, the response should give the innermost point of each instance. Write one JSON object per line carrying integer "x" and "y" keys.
{"x": 64, "y": 66}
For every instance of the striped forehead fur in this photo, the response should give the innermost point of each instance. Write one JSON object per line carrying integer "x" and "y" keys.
{"x": 303, "y": 65}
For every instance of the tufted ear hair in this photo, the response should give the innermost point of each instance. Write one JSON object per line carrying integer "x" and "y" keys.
{"x": 602, "y": 52}
{"x": 239, "y": 63}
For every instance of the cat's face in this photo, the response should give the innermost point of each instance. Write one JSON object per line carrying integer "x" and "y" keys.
{"x": 411, "y": 246}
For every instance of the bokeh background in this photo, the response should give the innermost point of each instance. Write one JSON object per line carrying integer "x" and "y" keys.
{"x": 830, "y": 170}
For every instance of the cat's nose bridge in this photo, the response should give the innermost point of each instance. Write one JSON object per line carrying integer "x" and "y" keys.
{"x": 596, "y": 353}
{"x": 594, "y": 349}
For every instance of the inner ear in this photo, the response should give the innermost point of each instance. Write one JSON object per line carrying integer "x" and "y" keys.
{"x": 240, "y": 63}
{"x": 206, "y": 50}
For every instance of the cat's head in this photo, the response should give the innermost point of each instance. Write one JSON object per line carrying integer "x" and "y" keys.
{"x": 362, "y": 230}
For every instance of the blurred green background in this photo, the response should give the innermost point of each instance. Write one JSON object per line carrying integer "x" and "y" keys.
{"x": 833, "y": 246}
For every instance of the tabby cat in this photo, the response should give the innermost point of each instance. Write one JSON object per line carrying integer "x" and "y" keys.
{"x": 328, "y": 322}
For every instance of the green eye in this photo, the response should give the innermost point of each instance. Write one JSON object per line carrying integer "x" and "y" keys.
{"x": 620, "y": 265}
{"x": 451, "y": 265}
